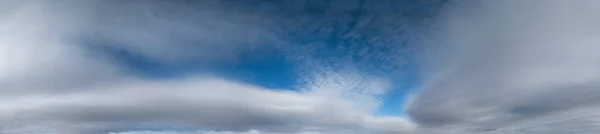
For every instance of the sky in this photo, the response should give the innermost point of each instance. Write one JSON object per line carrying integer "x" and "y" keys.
{"x": 299, "y": 67}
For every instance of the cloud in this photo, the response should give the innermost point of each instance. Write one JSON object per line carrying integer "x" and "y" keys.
{"x": 56, "y": 81}
{"x": 203, "y": 103}
{"x": 174, "y": 132}
{"x": 36, "y": 52}
{"x": 527, "y": 66}
{"x": 493, "y": 67}
{"x": 172, "y": 32}
{"x": 49, "y": 46}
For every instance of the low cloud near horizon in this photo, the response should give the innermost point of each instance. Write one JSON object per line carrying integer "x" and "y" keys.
{"x": 498, "y": 67}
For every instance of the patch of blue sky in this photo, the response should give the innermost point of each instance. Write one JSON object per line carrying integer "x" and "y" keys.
{"x": 395, "y": 100}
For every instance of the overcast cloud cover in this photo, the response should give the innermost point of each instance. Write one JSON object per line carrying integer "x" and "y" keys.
{"x": 498, "y": 67}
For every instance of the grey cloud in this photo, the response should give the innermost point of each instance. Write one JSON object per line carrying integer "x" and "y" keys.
{"x": 174, "y": 32}
{"x": 36, "y": 52}
{"x": 496, "y": 64}
{"x": 206, "y": 103}
{"x": 46, "y": 44}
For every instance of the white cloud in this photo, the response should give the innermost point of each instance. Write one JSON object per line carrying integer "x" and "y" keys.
{"x": 200, "y": 102}
{"x": 36, "y": 52}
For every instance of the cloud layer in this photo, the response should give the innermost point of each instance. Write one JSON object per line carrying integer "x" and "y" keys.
{"x": 197, "y": 102}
